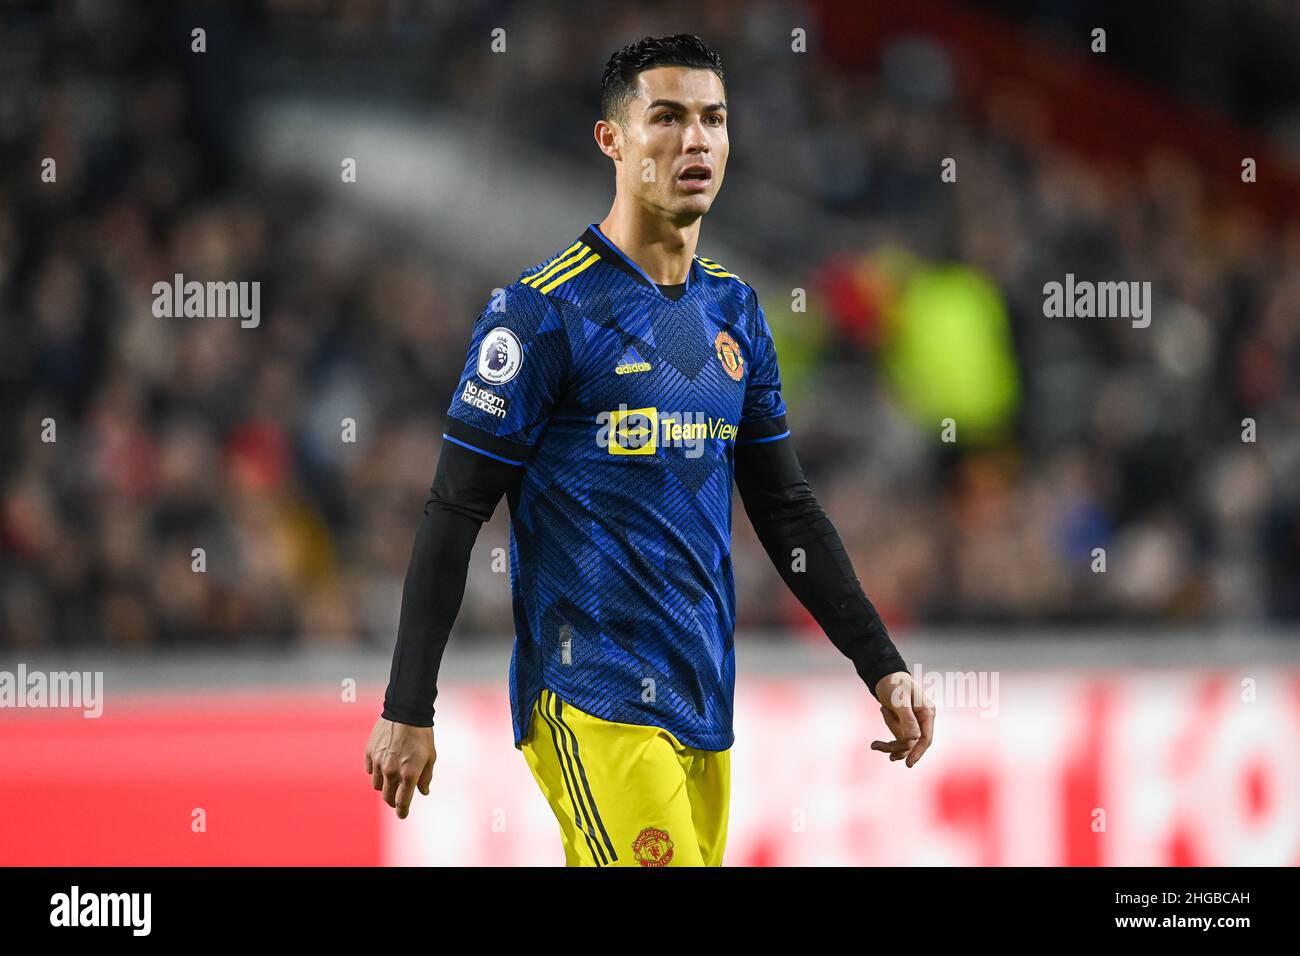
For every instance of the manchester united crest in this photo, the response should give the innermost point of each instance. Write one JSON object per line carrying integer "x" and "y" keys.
{"x": 652, "y": 847}
{"x": 729, "y": 355}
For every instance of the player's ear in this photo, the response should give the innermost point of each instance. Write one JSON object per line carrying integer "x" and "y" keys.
{"x": 609, "y": 138}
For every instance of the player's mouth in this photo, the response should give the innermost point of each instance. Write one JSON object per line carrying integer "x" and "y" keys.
{"x": 695, "y": 178}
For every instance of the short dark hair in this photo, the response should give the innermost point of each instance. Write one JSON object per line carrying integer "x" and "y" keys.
{"x": 618, "y": 85}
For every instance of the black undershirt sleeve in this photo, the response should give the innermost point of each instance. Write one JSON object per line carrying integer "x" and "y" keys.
{"x": 466, "y": 488}
{"x": 786, "y": 515}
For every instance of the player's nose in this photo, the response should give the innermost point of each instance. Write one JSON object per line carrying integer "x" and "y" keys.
{"x": 694, "y": 138}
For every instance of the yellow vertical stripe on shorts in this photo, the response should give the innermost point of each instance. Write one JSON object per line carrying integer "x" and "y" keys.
{"x": 566, "y": 773}
{"x": 575, "y": 774}
{"x": 582, "y": 775}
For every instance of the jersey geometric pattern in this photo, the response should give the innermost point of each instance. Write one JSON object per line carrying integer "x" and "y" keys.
{"x": 623, "y": 408}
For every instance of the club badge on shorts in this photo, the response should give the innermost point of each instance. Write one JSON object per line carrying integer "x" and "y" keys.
{"x": 652, "y": 847}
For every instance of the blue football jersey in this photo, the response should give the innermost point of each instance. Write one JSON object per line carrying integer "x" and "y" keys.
{"x": 622, "y": 407}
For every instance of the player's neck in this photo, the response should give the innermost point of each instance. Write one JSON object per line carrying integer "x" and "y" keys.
{"x": 662, "y": 250}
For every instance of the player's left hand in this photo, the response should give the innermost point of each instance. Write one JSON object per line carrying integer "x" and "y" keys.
{"x": 908, "y": 714}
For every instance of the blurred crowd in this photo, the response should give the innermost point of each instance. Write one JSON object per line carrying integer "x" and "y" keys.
{"x": 171, "y": 435}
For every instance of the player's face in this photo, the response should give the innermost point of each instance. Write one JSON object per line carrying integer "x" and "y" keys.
{"x": 675, "y": 142}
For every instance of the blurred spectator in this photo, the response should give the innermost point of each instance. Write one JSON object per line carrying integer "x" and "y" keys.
{"x": 180, "y": 434}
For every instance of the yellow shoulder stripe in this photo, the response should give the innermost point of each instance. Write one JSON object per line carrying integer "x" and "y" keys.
{"x": 714, "y": 269}
{"x": 586, "y": 263}
{"x": 569, "y": 255}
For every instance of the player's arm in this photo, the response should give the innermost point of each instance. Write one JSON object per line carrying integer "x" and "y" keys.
{"x": 788, "y": 520}
{"x": 516, "y": 366}
{"x": 466, "y": 489}
{"x": 786, "y": 516}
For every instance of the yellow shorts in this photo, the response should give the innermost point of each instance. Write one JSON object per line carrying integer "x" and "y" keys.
{"x": 627, "y": 794}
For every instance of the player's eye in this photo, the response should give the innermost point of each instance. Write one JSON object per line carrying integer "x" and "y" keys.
{"x": 714, "y": 119}
{"x": 666, "y": 116}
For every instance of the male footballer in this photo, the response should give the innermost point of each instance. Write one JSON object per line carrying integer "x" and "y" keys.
{"x": 612, "y": 394}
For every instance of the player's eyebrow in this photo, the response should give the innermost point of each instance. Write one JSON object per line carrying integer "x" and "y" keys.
{"x": 681, "y": 107}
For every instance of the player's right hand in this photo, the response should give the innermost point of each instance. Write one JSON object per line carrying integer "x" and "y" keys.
{"x": 399, "y": 758}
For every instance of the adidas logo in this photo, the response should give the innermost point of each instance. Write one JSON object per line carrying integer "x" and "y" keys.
{"x": 631, "y": 362}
